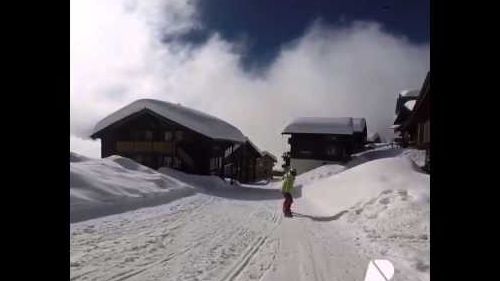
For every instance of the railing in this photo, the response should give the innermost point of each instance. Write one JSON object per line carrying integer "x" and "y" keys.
{"x": 143, "y": 146}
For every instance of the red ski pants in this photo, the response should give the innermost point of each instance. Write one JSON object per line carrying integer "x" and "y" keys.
{"x": 287, "y": 203}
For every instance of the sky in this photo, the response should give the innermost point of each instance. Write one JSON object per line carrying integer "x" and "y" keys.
{"x": 256, "y": 64}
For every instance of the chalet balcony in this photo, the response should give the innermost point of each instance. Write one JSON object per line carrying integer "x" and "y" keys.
{"x": 144, "y": 146}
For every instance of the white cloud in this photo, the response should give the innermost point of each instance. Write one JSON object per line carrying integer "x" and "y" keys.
{"x": 117, "y": 58}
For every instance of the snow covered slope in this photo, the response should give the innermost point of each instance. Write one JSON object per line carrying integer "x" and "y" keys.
{"x": 116, "y": 184}
{"x": 384, "y": 203}
{"x": 375, "y": 207}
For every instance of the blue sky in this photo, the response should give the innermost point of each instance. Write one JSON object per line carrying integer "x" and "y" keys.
{"x": 263, "y": 26}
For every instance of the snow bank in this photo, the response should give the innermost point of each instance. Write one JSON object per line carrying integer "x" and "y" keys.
{"x": 218, "y": 187}
{"x": 318, "y": 173}
{"x": 417, "y": 156}
{"x": 366, "y": 181}
{"x": 116, "y": 184}
{"x": 384, "y": 202}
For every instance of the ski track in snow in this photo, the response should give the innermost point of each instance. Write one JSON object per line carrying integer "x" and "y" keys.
{"x": 209, "y": 238}
{"x": 195, "y": 238}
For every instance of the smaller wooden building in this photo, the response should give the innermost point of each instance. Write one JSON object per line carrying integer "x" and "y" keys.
{"x": 360, "y": 134}
{"x": 265, "y": 166}
{"x": 241, "y": 164}
{"x": 315, "y": 141}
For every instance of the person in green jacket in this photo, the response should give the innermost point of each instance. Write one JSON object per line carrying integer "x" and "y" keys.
{"x": 287, "y": 189}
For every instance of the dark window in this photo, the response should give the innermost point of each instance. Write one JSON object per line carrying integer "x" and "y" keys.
{"x": 148, "y": 135}
{"x": 177, "y": 163}
{"x": 167, "y": 161}
{"x": 178, "y": 135}
{"x": 168, "y": 136}
{"x": 331, "y": 150}
{"x": 305, "y": 152}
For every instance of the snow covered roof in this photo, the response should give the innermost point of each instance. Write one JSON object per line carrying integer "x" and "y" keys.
{"x": 359, "y": 124}
{"x": 410, "y": 104}
{"x": 409, "y": 93}
{"x": 195, "y": 120}
{"x": 254, "y": 146}
{"x": 321, "y": 125}
{"x": 265, "y": 152}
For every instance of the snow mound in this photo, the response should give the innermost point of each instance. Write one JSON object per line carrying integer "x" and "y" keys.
{"x": 318, "y": 174}
{"x": 198, "y": 181}
{"x": 384, "y": 202}
{"x": 74, "y": 158}
{"x": 367, "y": 181}
{"x": 417, "y": 156}
{"x": 100, "y": 187}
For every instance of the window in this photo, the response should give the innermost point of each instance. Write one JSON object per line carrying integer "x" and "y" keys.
{"x": 177, "y": 163}
{"x": 135, "y": 135}
{"x": 331, "y": 151}
{"x": 305, "y": 152}
{"x": 215, "y": 163}
{"x": 178, "y": 135}
{"x": 148, "y": 135}
{"x": 168, "y": 136}
{"x": 167, "y": 161}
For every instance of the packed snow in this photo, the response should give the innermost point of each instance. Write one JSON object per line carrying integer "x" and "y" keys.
{"x": 384, "y": 203}
{"x": 375, "y": 207}
{"x": 116, "y": 184}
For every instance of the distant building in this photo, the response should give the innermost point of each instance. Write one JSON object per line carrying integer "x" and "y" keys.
{"x": 265, "y": 166}
{"x": 318, "y": 141}
{"x": 360, "y": 134}
{"x": 241, "y": 164}
{"x": 247, "y": 163}
{"x": 161, "y": 134}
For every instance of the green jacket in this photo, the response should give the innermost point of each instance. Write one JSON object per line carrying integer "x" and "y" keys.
{"x": 288, "y": 183}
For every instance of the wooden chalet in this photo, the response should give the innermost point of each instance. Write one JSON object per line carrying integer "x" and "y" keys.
{"x": 265, "y": 166}
{"x": 404, "y": 106}
{"x": 318, "y": 141}
{"x": 161, "y": 134}
{"x": 360, "y": 134}
{"x": 415, "y": 129}
{"x": 241, "y": 164}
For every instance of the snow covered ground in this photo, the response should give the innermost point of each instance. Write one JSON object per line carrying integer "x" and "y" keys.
{"x": 376, "y": 207}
